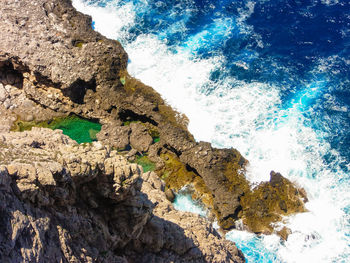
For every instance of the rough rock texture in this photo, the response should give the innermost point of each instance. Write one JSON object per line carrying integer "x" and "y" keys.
{"x": 228, "y": 185}
{"x": 203, "y": 238}
{"x": 139, "y": 137}
{"x": 64, "y": 202}
{"x": 57, "y": 43}
{"x": 269, "y": 202}
{"x": 117, "y": 136}
{"x": 52, "y": 57}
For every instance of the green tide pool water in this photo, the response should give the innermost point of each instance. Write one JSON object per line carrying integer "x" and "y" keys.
{"x": 146, "y": 164}
{"x": 78, "y": 129}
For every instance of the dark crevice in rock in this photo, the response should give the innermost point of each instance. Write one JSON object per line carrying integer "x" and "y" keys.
{"x": 234, "y": 217}
{"x": 111, "y": 109}
{"x": 12, "y": 70}
{"x": 127, "y": 148}
{"x": 76, "y": 92}
{"x": 14, "y": 63}
{"x": 156, "y": 108}
{"x": 43, "y": 80}
{"x": 191, "y": 169}
{"x": 38, "y": 102}
{"x": 235, "y": 214}
{"x": 9, "y": 75}
{"x": 36, "y": 144}
{"x": 172, "y": 149}
{"x": 128, "y": 115}
{"x": 94, "y": 120}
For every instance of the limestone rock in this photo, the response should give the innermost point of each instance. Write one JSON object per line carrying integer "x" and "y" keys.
{"x": 63, "y": 37}
{"x": 268, "y": 202}
{"x": 192, "y": 236}
{"x": 115, "y": 136}
{"x": 139, "y": 137}
{"x": 229, "y": 182}
{"x": 29, "y": 117}
{"x": 3, "y": 93}
{"x": 58, "y": 191}
{"x": 170, "y": 195}
{"x": 65, "y": 202}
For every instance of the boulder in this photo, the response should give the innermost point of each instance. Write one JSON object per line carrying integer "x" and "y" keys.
{"x": 115, "y": 135}
{"x": 139, "y": 137}
{"x": 170, "y": 195}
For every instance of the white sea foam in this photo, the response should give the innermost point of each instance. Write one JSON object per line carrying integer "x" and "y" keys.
{"x": 247, "y": 116}
{"x": 183, "y": 202}
{"x": 330, "y": 2}
{"x": 174, "y": 76}
{"x": 111, "y": 20}
{"x": 220, "y": 29}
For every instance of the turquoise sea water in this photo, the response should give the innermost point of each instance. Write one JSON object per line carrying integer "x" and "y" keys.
{"x": 183, "y": 201}
{"x": 270, "y": 78}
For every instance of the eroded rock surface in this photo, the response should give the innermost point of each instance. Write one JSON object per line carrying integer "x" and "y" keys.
{"x": 58, "y": 43}
{"x": 269, "y": 201}
{"x": 64, "y": 202}
{"x": 203, "y": 238}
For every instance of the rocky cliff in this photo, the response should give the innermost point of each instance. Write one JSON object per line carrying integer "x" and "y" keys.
{"x": 52, "y": 64}
{"x": 65, "y": 202}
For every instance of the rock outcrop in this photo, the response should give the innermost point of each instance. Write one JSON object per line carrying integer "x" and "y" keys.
{"x": 53, "y": 64}
{"x": 65, "y": 202}
{"x": 269, "y": 202}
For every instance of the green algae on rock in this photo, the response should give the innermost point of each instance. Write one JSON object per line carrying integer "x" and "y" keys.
{"x": 146, "y": 163}
{"x": 177, "y": 175}
{"x": 269, "y": 202}
{"x": 79, "y": 129}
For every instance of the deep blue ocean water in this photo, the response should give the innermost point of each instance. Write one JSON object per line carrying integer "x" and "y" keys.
{"x": 270, "y": 78}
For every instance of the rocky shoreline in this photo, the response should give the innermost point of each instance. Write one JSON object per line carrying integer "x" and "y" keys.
{"x": 65, "y": 202}
{"x": 52, "y": 64}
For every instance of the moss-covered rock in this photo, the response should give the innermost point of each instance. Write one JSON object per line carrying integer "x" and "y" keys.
{"x": 174, "y": 172}
{"x": 165, "y": 113}
{"x": 145, "y": 162}
{"x": 269, "y": 201}
{"x": 176, "y": 175}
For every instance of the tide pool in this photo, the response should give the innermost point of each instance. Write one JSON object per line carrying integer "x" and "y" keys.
{"x": 78, "y": 129}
